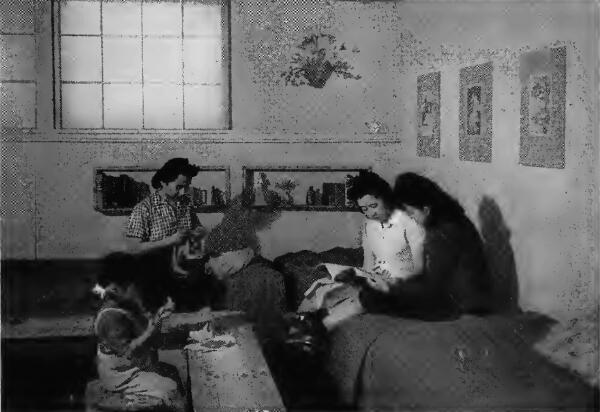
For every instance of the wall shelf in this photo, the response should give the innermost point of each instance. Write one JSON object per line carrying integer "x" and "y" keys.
{"x": 299, "y": 188}
{"x": 118, "y": 189}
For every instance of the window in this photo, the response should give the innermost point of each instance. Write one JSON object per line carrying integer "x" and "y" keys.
{"x": 18, "y": 84}
{"x": 143, "y": 64}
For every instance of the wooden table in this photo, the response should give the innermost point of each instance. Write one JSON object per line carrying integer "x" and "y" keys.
{"x": 232, "y": 378}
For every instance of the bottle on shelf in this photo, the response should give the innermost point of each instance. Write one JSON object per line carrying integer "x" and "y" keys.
{"x": 348, "y": 185}
{"x": 318, "y": 198}
{"x": 310, "y": 196}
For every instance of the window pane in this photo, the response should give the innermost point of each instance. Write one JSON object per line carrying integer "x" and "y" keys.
{"x": 202, "y": 57}
{"x": 123, "y": 106}
{"x": 202, "y": 19}
{"x": 80, "y": 17}
{"x": 162, "y": 60}
{"x": 17, "y": 105}
{"x": 82, "y": 105}
{"x": 162, "y": 107}
{"x": 205, "y": 107}
{"x": 16, "y": 16}
{"x": 17, "y": 57}
{"x": 80, "y": 59}
{"x": 122, "y": 17}
{"x": 162, "y": 18}
{"x": 123, "y": 59}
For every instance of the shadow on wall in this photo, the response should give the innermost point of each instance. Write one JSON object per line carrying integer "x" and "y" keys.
{"x": 500, "y": 256}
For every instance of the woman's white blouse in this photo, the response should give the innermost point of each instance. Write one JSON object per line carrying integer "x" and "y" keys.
{"x": 393, "y": 248}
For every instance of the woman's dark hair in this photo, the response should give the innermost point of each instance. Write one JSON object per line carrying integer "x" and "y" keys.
{"x": 147, "y": 272}
{"x": 369, "y": 183}
{"x": 418, "y": 191}
{"x": 172, "y": 169}
{"x": 119, "y": 268}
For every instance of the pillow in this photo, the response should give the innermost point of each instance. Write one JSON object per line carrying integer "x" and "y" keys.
{"x": 229, "y": 263}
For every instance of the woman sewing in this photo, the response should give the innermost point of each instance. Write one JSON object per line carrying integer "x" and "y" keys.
{"x": 392, "y": 246}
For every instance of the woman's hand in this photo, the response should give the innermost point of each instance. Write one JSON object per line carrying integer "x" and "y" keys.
{"x": 346, "y": 276}
{"x": 166, "y": 310}
{"x": 178, "y": 238}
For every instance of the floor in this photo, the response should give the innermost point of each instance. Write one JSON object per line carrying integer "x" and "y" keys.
{"x": 48, "y": 374}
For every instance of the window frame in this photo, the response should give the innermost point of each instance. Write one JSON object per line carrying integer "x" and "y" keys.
{"x": 57, "y": 81}
{"x": 36, "y": 75}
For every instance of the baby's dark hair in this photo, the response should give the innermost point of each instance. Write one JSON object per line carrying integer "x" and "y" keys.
{"x": 172, "y": 169}
{"x": 369, "y": 183}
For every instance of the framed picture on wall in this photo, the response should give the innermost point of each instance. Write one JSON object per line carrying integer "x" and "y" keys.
{"x": 543, "y": 94}
{"x": 118, "y": 189}
{"x": 475, "y": 113}
{"x": 428, "y": 115}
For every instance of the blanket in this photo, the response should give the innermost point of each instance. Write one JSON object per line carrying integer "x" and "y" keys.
{"x": 574, "y": 345}
{"x": 380, "y": 362}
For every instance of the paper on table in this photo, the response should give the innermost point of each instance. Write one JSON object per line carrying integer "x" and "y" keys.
{"x": 218, "y": 342}
{"x": 205, "y": 339}
{"x": 203, "y": 334}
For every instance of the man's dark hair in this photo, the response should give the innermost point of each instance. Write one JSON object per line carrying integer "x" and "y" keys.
{"x": 369, "y": 183}
{"x": 418, "y": 191}
{"x": 172, "y": 169}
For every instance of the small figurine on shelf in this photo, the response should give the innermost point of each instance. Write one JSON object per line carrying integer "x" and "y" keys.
{"x": 216, "y": 197}
{"x": 310, "y": 196}
{"x": 260, "y": 188}
{"x": 348, "y": 185}
{"x": 318, "y": 197}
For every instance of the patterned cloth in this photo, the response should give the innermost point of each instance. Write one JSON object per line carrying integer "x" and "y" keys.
{"x": 154, "y": 219}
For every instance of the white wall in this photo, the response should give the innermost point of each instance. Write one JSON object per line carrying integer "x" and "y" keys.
{"x": 552, "y": 214}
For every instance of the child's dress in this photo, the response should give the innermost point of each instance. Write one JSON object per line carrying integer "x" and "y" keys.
{"x": 132, "y": 382}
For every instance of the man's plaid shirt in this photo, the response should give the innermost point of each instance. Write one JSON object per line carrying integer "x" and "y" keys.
{"x": 154, "y": 219}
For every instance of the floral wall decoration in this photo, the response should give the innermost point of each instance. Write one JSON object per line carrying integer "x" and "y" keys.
{"x": 475, "y": 113}
{"x": 318, "y": 58}
{"x": 543, "y": 85}
{"x": 428, "y": 111}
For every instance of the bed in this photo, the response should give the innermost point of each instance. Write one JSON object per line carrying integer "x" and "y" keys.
{"x": 383, "y": 362}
